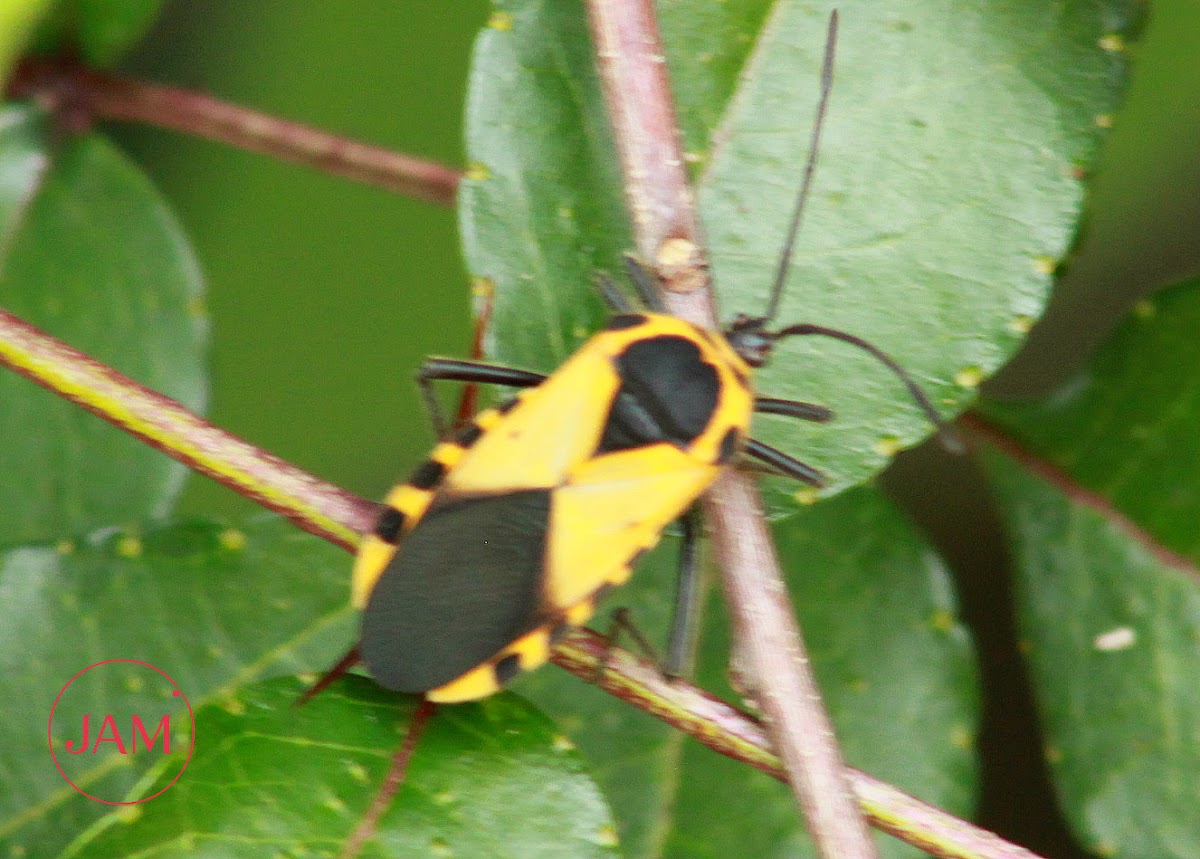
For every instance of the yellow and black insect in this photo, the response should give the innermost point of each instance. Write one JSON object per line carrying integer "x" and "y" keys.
{"x": 515, "y": 525}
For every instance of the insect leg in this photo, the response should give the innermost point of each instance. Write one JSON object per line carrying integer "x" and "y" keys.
{"x": 342, "y": 666}
{"x": 646, "y": 284}
{"x": 615, "y": 299}
{"x": 785, "y": 464}
{"x": 622, "y": 622}
{"x": 792, "y": 409}
{"x": 451, "y": 370}
{"x": 685, "y": 625}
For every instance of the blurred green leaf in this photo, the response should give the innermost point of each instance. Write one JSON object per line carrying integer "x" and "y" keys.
{"x": 946, "y": 193}
{"x": 106, "y": 29}
{"x": 1126, "y": 426}
{"x": 1110, "y": 630}
{"x": 93, "y": 256}
{"x": 100, "y": 32}
{"x": 1109, "y": 589}
{"x": 214, "y": 607}
{"x": 23, "y": 162}
{"x": 17, "y": 20}
{"x": 895, "y": 667}
{"x": 493, "y": 779}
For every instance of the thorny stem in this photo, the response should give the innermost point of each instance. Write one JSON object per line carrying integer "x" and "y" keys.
{"x": 80, "y": 95}
{"x": 636, "y": 90}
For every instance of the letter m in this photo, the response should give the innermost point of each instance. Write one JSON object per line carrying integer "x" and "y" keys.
{"x": 164, "y": 728}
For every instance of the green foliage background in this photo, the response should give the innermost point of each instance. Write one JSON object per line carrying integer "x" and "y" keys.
{"x": 313, "y": 285}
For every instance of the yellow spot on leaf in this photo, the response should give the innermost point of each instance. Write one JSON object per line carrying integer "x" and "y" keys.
{"x": 1044, "y": 265}
{"x": 563, "y": 744}
{"x": 232, "y": 540}
{"x": 1113, "y": 43}
{"x": 357, "y": 772}
{"x": 942, "y": 621}
{"x": 969, "y": 377}
{"x": 889, "y": 445}
{"x": 501, "y": 20}
{"x": 1020, "y": 324}
{"x": 806, "y": 495}
{"x": 128, "y": 546}
{"x": 607, "y": 836}
{"x": 961, "y": 737}
{"x": 477, "y": 172}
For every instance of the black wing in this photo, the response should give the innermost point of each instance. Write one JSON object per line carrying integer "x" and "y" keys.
{"x": 466, "y": 582}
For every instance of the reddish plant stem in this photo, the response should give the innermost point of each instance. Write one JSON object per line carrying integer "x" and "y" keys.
{"x": 981, "y": 428}
{"x": 315, "y": 506}
{"x": 732, "y": 733}
{"x": 633, "y": 70}
{"x": 636, "y": 90}
{"x": 82, "y": 95}
{"x": 337, "y": 516}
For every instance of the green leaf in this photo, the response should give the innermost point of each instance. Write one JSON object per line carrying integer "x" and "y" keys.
{"x": 947, "y": 188}
{"x": 1126, "y": 426}
{"x": 1102, "y": 517}
{"x": 895, "y": 667}
{"x": 541, "y": 208}
{"x": 212, "y": 606}
{"x": 1110, "y": 629}
{"x": 23, "y": 162}
{"x": 493, "y": 779}
{"x": 95, "y": 258}
{"x": 101, "y": 32}
{"x": 107, "y": 29}
{"x": 17, "y": 20}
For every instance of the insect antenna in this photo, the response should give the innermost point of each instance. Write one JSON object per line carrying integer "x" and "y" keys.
{"x": 949, "y": 438}
{"x": 810, "y": 166}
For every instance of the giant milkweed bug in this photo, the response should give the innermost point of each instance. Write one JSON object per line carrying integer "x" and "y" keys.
{"x": 515, "y": 525}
